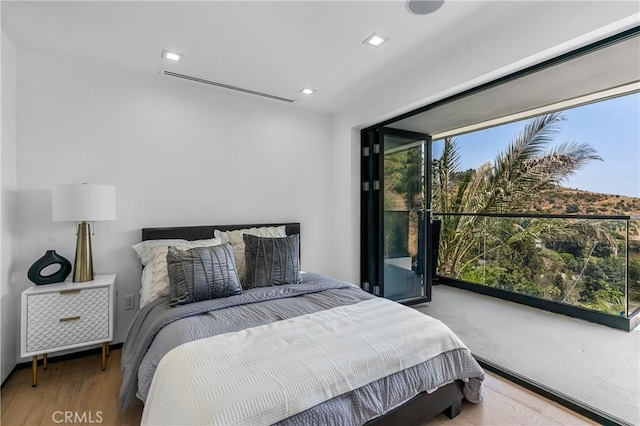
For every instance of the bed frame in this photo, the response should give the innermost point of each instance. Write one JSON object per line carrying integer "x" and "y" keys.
{"x": 417, "y": 410}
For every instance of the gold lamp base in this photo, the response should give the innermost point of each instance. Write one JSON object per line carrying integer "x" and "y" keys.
{"x": 83, "y": 265}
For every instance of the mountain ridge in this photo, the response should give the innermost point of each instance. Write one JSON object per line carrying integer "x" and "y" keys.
{"x": 563, "y": 200}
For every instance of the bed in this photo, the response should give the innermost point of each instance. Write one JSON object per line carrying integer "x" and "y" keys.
{"x": 165, "y": 342}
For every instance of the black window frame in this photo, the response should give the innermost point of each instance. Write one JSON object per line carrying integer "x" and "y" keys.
{"x": 371, "y": 226}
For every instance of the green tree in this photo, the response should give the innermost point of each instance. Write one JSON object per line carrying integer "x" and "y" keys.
{"x": 558, "y": 283}
{"x": 508, "y": 184}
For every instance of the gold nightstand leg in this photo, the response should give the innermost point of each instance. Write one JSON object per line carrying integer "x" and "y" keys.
{"x": 108, "y": 349}
{"x": 105, "y": 347}
{"x": 44, "y": 362}
{"x": 34, "y": 370}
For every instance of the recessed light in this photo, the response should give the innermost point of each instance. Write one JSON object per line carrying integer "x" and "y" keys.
{"x": 307, "y": 91}
{"x": 375, "y": 40}
{"x": 172, "y": 56}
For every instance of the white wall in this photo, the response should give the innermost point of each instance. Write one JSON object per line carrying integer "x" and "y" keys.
{"x": 449, "y": 66}
{"x": 179, "y": 153}
{"x": 9, "y": 292}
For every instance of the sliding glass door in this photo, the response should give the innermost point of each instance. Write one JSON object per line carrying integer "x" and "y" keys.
{"x": 396, "y": 219}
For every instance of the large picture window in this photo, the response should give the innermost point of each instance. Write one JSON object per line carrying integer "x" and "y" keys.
{"x": 532, "y": 182}
{"x": 544, "y": 207}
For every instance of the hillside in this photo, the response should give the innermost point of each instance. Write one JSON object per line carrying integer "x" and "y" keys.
{"x": 561, "y": 200}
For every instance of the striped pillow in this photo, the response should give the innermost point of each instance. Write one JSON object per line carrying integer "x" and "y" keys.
{"x": 202, "y": 273}
{"x": 271, "y": 261}
{"x": 235, "y": 238}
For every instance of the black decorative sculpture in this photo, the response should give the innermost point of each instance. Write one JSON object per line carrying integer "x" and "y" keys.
{"x": 49, "y": 258}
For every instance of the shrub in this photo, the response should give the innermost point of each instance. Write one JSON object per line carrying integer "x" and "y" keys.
{"x": 572, "y": 208}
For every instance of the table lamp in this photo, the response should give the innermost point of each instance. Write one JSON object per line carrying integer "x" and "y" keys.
{"x": 83, "y": 203}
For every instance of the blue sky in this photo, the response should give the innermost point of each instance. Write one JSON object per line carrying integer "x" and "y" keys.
{"x": 612, "y": 127}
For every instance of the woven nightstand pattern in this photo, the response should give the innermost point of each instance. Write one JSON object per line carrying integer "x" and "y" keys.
{"x": 57, "y": 319}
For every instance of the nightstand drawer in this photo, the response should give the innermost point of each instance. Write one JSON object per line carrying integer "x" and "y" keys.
{"x": 50, "y": 307}
{"x": 66, "y": 331}
{"x": 66, "y": 316}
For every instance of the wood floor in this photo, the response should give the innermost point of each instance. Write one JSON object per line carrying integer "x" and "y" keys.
{"x": 76, "y": 385}
{"x": 80, "y": 386}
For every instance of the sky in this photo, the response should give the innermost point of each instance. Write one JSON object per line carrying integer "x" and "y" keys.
{"x": 612, "y": 127}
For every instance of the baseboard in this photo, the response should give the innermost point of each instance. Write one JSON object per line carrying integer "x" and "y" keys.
{"x": 565, "y": 400}
{"x": 64, "y": 357}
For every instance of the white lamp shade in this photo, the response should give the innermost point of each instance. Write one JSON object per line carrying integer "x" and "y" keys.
{"x": 83, "y": 202}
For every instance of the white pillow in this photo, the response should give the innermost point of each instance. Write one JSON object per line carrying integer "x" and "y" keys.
{"x": 237, "y": 242}
{"x": 153, "y": 255}
{"x": 145, "y": 289}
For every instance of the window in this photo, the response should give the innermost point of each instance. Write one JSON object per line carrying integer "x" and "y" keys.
{"x": 532, "y": 208}
{"x": 587, "y": 250}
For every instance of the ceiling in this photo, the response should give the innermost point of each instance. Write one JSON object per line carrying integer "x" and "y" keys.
{"x": 610, "y": 67}
{"x": 273, "y": 47}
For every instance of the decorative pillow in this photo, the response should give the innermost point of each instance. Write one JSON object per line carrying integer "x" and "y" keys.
{"x": 235, "y": 238}
{"x": 272, "y": 261}
{"x": 153, "y": 255}
{"x": 202, "y": 273}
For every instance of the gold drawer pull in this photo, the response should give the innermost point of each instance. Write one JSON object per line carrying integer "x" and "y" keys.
{"x": 70, "y": 291}
{"x": 69, "y": 319}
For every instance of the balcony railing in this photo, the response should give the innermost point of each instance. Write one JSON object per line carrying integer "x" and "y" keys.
{"x": 589, "y": 262}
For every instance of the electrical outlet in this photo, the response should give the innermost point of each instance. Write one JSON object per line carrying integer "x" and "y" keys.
{"x": 129, "y": 301}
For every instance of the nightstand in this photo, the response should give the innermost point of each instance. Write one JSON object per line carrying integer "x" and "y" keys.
{"x": 67, "y": 315}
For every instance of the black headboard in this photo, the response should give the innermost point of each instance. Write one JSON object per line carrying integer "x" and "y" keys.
{"x": 205, "y": 232}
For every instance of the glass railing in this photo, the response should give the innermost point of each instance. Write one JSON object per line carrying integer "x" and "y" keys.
{"x": 588, "y": 261}
{"x": 633, "y": 253}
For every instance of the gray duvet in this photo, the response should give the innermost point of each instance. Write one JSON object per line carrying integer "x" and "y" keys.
{"x": 158, "y": 328}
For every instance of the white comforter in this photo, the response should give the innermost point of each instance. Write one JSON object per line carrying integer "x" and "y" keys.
{"x": 265, "y": 374}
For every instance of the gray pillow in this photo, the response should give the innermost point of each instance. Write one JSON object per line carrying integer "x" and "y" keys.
{"x": 202, "y": 273}
{"x": 271, "y": 261}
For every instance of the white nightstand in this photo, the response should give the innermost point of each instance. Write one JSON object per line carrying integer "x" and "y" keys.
{"x": 67, "y": 315}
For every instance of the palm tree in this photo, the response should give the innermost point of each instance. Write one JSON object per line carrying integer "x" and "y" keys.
{"x": 508, "y": 184}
